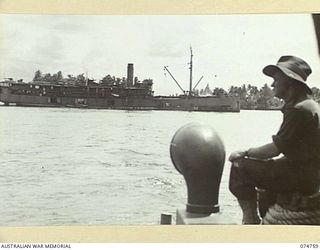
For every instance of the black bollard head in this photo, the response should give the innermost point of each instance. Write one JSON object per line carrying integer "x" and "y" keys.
{"x": 198, "y": 153}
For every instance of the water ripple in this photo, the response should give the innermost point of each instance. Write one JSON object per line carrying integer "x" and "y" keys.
{"x": 114, "y": 168}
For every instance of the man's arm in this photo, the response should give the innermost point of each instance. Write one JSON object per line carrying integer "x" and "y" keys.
{"x": 266, "y": 151}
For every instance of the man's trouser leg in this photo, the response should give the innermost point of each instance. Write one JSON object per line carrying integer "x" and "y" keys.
{"x": 279, "y": 176}
{"x": 245, "y": 176}
{"x": 249, "y": 211}
{"x": 245, "y": 193}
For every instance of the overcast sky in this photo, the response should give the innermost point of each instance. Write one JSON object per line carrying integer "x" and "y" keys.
{"x": 228, "y": 49}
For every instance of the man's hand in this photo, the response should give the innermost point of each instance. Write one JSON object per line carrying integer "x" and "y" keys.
{"x": 237, "y": 155}
{"x": 266, "y": 151}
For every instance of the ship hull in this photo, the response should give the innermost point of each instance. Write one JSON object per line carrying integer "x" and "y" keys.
{"x": 205, "y": 104}
{"x": 185, "y": 103}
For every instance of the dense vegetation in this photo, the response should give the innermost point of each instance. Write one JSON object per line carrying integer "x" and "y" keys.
{"x": 80, "y": 79}
{"x": 252, "y": 97}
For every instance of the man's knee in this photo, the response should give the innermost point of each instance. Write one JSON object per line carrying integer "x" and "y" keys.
{"x": 240, "y": 183}
{"x": 236, "y": 176}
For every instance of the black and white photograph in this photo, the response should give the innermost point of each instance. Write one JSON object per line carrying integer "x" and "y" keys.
{"x": 159, "y": 119}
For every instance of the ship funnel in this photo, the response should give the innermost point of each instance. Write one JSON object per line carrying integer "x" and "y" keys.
{"x": 130, "y": 75}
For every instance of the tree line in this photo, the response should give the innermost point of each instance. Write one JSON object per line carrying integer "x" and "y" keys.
{"x": 252, "y": 97}
{"x": 80, "y": 79}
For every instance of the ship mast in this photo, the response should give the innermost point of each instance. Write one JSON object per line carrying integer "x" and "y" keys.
{"x": 190, "y": 87}
{"x": 190, "y": 80}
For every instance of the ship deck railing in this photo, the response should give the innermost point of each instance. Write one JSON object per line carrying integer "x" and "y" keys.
{"x": 5, "y": 84}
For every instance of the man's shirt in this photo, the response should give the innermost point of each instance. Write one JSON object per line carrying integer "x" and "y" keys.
{"x": 299, "y": 135}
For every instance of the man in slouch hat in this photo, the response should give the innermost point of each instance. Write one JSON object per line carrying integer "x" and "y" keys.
{"x": 298, "y": 140}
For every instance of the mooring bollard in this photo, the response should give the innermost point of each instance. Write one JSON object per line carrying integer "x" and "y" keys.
{"x": 198, "y": 153}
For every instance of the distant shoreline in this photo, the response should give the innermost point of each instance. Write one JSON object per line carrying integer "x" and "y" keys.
{"x": 262, "y": 109}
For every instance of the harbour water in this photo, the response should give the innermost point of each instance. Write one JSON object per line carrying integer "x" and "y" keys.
{"x": 107, "y": 167}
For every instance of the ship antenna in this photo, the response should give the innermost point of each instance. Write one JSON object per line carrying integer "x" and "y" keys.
{"x": 190, "y": 88}
{"x": 166, "y": 68}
